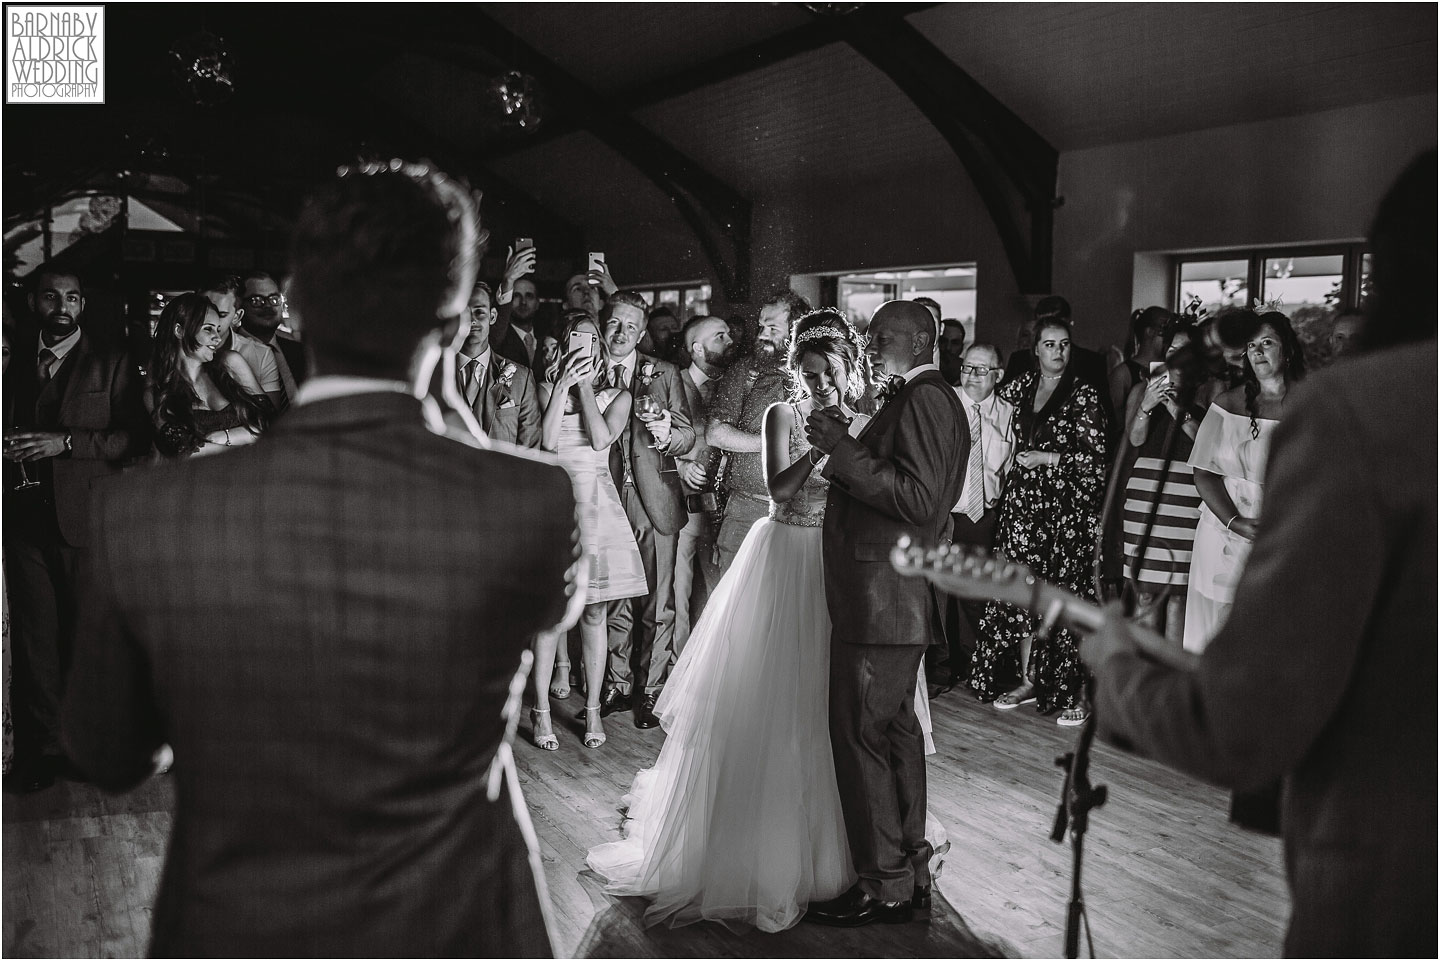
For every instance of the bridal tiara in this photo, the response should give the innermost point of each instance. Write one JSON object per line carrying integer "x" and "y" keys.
{"x": 815, "y": 333}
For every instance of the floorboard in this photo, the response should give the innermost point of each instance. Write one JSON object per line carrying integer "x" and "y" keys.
{"x": 1166, "y": 875}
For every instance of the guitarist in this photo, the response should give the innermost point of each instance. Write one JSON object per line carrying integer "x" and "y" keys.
{"x": 1325, "y": 671}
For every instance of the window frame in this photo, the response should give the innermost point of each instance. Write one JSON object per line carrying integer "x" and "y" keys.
{"x": 1353, "y": 253}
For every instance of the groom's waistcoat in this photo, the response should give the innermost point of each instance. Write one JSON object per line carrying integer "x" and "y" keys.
{"x": 901, "y": 476}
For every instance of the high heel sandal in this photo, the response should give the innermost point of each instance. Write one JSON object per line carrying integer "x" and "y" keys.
{"x": 594, "y": 739}
{"x": 560, "y": 685}
{"x": 546, "y": 741}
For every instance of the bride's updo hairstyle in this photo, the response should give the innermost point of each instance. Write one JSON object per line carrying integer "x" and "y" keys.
{"x": 827, "y": 333}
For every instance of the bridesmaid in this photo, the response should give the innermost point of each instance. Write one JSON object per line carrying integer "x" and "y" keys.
{"x": 584, "y": 415}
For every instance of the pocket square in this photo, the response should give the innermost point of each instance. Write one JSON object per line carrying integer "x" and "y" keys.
{"x": 507, "y": 405}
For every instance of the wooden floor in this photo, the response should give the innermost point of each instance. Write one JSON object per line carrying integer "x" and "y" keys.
{"x": 1165, "y": 874}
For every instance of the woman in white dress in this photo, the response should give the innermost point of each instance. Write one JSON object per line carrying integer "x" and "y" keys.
{"x": 583, "y": 417}
{"x": 1229, "y": 457}
{"x": 739, "y": 821}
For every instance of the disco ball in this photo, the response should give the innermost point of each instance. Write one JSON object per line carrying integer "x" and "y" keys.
{"x": 202, "y": 67}
{"x": 519, "y": 97}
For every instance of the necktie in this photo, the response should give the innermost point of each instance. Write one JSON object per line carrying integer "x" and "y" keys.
{"x": 617, "y": 376}
{"x": 42, "y": 365}
{"x": 472, "y": 381}
{"x": 975, "y": 471}
{"x": 528, "y": 339}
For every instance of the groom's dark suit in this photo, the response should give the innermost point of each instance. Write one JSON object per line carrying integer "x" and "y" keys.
{"x": 328, "y": 655}
{"x": 900, "y": 476}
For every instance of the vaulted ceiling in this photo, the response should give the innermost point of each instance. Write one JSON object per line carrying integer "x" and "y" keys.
{"x": 671, "y": 119}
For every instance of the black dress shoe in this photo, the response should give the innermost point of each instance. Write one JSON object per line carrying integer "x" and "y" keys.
{"x": 920, "y": 901}
{"x": 855, "y": 909}
{"x": 645, "y": 717}
{"x": 610, "y": 702}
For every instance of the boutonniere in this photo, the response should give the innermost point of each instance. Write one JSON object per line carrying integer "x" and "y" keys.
{"x": 504, "y": 379}
{"x": 647, "y": 373}
{"x": 889, "y": 387}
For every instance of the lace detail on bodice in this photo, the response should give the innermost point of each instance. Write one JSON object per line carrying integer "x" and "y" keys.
{"x": 806, "y": 508}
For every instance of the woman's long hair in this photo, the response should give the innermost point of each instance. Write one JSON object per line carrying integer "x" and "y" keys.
{"x": 827, "y": 333}
{"x": 174, "y": 395}
{"x": 1292, "y": 356}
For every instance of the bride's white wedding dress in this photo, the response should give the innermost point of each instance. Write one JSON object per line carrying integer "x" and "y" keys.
{"x": 739, "y": 820}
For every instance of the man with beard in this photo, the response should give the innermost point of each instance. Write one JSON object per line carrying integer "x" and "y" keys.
{"x": 73, "y": 414}
{"x": 710, "y": 349}
{"x": 743, "y": 395}
{"x": 263, "y": 311}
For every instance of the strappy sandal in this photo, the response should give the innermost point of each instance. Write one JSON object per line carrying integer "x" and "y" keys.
{"x": 1009, "y": 701}
{"x": 1073, "y": 716}
{"x": 594, "y": 739}
{"x": 560, "y": 684}
{"x": 546, "y": 740}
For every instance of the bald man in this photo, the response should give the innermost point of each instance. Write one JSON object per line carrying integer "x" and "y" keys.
{"x": 900, "y": 477}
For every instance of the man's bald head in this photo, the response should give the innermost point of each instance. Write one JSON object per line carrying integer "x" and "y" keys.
{"x": 901, "y": 336}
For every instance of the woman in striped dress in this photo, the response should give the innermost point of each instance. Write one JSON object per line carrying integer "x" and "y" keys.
{"x": 1161, "y": 577}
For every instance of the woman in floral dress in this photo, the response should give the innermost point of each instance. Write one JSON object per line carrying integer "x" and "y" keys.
{"x": 1049, "y": 522}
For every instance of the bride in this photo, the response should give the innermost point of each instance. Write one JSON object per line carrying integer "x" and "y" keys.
{"x": 739, "y": 821}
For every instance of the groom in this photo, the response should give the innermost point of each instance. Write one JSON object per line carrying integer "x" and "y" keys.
{"x": 900, "y": 476}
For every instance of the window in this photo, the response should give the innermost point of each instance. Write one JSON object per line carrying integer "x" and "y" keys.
{"x": 952, "y": 287}
{"x": 1310, "y": 285}
{"x": 687, "y": 299}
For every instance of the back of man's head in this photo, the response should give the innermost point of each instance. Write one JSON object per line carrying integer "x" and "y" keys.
{"x": 1401, "y": 308}
{"x": 371, "y": 259}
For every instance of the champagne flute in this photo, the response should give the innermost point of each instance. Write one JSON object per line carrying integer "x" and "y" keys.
{"x": 25, "y": 482}
{"x": 649, "y": 408}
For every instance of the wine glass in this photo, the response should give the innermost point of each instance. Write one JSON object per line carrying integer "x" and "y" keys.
{"x": 649, "y": 408}
{"x": 25, "y": 482}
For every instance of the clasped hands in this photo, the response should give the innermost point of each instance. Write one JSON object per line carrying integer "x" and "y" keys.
{"x": 824, "y": 428}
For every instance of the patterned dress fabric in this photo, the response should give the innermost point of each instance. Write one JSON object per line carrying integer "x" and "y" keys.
{"x": 1049, "y": 521}
{"x": 1167, "y": 556}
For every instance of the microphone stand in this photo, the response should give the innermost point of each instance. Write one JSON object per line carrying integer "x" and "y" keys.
{"x": 1077, "y": 796}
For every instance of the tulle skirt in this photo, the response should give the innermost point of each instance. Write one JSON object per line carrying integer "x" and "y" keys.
{"x": 739, "y": 820}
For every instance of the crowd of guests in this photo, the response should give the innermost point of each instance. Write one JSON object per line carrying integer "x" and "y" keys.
{"x": 658, "y": 423}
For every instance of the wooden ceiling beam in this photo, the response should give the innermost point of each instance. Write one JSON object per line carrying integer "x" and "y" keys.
{"x": 717, "y": 213}
{"x": 1012, "y": 166}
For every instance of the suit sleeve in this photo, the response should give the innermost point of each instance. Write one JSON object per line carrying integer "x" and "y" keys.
{"x": 682, "y": 434}
{"x": 1280, "y": 669}
{"x": 110, "y": 721}
{"x": 909, "y": 485}
{"x": 128, "y": 433}
{"x": 528, "y": 433}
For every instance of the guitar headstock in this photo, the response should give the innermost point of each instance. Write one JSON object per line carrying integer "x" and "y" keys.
{"x": 968, "y": 572}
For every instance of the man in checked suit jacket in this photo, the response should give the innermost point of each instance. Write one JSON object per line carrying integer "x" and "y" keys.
{"x": 501, "y": 392}
{"x": 649, "y": 486}
{"x": 77, "y": 404}
{"x": 901, "y": 476}
{"x": 331, "y": 670}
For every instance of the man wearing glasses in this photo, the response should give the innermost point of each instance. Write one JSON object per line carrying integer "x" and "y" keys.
{"x": 992, "y": 450}
{"x": 264, "y": 308}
